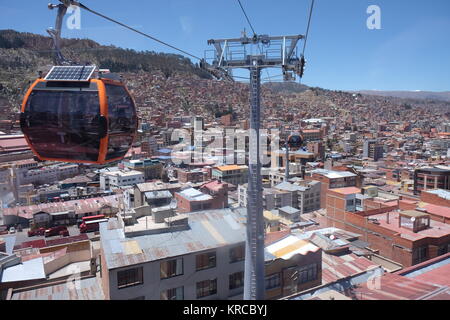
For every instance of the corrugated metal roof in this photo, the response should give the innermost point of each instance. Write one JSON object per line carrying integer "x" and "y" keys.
{"x": 27, "y": 270}
{"x": 341, "y": 285}
{"x": 337, "y": 267}
{"x": 289, "y": 210}
{"x": 334, "y": 174}
{"x": 158, "y": 194}
{"x": 207, "y": 229}
{"x": 289, "y": 246}
{"x": 395, "y": 287}
{"x": 85, "y": 289}
{"x": 195, "y": 195}
{"x": 444, "y": 194}
{"x": 81, "y": 206}
{"x": 435, "y": 271}
{"x": 287, "y": 186}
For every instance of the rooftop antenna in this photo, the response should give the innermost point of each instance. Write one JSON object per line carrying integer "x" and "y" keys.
{"x": 233, "y": 54}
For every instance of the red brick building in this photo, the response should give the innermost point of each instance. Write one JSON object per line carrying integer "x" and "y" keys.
{"x": 330, "y": 180}
{"x": 312, "y": 134}
{"x": 438, "y": 197}
{"x": 212, "y": 195}
{"x": 405, "y": 236}
{"x": 195, "y": 175}
{"x": 219, "y": 191}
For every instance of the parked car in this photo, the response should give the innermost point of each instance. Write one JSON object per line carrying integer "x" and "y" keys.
{"x": 36, "y": 232}
{"x": 12, "y": 230}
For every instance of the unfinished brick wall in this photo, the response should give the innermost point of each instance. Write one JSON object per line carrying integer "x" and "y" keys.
{"x": 434, "y": 199}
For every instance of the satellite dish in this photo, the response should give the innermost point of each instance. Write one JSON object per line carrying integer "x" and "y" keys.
{"x": 413, "y": 219}
{"x": 332, "y": 237}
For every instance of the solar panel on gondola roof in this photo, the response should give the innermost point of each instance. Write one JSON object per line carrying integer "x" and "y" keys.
{"x": 70, "y": 73}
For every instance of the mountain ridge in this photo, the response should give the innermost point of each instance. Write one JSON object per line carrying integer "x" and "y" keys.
{"x": 421, "y": 95}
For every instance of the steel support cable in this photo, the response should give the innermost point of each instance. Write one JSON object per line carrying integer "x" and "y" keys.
{"x": 79, "y": 4}
{"x": 306, "y": 35}
{"x": 245, "y": 14}
{"x": 309, "y": 24}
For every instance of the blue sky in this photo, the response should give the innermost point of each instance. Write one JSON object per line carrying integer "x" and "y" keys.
{"x": 410, "y": 52}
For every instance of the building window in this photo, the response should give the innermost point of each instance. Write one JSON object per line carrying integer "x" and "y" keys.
{"x": 205, "y": 261}
{"x": 171, "y": 268}
{"x": 237, "y": 253}
{"x": 206, "y": 288}
{"x": 443, "y": 249}
{"x": 236, "y": 280}
{"x": 173, "y": 294}
{"x": 130, "y": 277}
{"x": 420, "y": 255}
{"x": 273, "y": 281}
{"x": 308, "y": 273}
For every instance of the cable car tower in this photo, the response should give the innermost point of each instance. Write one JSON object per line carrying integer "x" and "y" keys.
{"x": 265, "y": 52}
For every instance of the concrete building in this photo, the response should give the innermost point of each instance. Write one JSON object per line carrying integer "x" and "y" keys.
{"x": 431, "y": 178}
{"x": 117, "y": 179}
{"x": 232, "y": 174}
{"x": 372, "y": 149}
{"x": 278, "y": 157}
{"x": 312, "y": 135}
{"x": 158, "y": 198}
{"x": 291, "y": 265}
{"x": 272, "y": 198}
{"x": 149, "y": 146}
{"x": 205, "y": 260}
{"x": 28, "y": 172}
{"x": 6, "y": 186}
{"x": 152, "y": 169}
{"x": 194, "y": 175}
{"x": 317, "y": 148}
{"x": 198, "y": 123}
{"x": 330, "y": 179}
{"x": 141, "y": 188}
{"x": 107, "y": 205}
{"x": 190, "y": 200}
{"x": 305, "y": 194}
{"x": 219, "y": 191}
{"x": 278, "y": 175}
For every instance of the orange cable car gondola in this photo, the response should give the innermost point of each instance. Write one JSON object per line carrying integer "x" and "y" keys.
{"x": 79, "y": 114}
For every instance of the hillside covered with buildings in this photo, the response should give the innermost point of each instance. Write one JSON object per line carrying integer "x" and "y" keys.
{"x": 366, "y": 196}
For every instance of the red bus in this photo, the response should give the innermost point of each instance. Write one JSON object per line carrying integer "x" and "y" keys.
{"x": 92, "y": 218}
{"x": 91, "y": 225}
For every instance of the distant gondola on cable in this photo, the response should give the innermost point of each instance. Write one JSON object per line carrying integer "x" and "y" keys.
{"x": 79, "y": 114}
{"x": 295, "y": 141}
